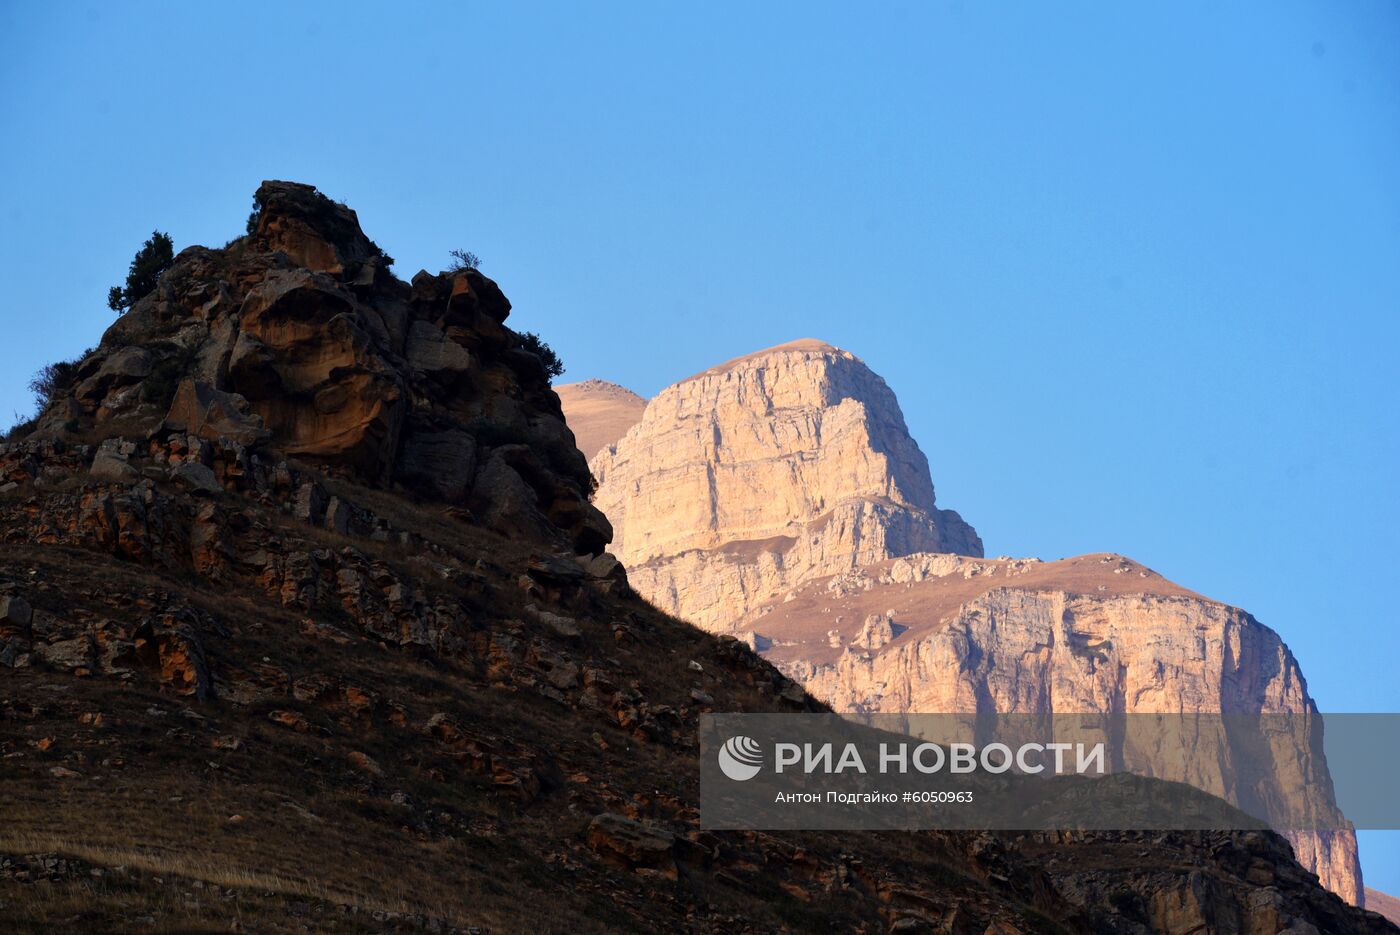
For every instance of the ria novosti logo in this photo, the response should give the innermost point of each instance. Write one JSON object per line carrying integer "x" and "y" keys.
{"x": 740, "y": 758}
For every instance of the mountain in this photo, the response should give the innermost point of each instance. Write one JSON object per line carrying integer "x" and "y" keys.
{"x": 305, "y": 625}
{"x": 602, "y": 412}
{"x": 1383, "y": 903}
{"x": 779, "y": 498}
{"x": 751, "y": 477}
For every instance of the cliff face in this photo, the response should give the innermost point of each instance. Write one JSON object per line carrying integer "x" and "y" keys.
{"x": 1097, "y": 633}
{"x": 298, "y": 585}
{"x": 780, "y": 498}
{"x": 771, "y": 469}
{"x": 299, "y": 333}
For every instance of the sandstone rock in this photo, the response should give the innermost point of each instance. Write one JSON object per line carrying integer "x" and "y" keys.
{"x": 196, "y": 478}
{"x": 563, "y": 626}
{"x": 298, "y": 339}
{"x": 312, "y": 230}
{"x": 768, "y": 470}
{"x": 67, "y": 655}
{"x": 183, "y": 668}
{"x": 200, "y": 409}
{"x": 321, "y": 384}
{"x": 632, "y": 844}
{"x": 444, "y": 461}
{"x": 1096, "y": 633}
{"x": 504, "y": 502}
{"x": 111, "y": 467}
{"x": 432, "y": 353}
{"x": 122, "y": 367}
{"x": 15, "y": 614}
{"x": 605, "y": 565}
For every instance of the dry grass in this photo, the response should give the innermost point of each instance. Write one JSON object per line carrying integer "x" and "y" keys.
{"x": 206, "y": 870}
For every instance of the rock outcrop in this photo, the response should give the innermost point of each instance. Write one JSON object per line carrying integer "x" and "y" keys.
{"x": 599, "y": 412}
{"x": 299, "y": 335}
{"x": 1097, "y": 633}
{"x": 772, "y": 469}
{"x": 258, "y": 645}
{"x": 779, "y": 498}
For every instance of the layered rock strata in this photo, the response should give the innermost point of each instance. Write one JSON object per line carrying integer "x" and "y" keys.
{"x": 268, "y": 618}
{"x": 1096, "y": 633}
{"x": 749, "y": 478}
{"x": 779, "y": 497}
{"x": 299, "y": 334}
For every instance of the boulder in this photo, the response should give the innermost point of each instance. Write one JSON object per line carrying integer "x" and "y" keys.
{"x": 313, "y": 231}
{"x": 632, "y": 845}
{"x": 503, "y": 501}
{"x": 431, "y": 353}
{"x": 15, "y": 614}
{"x": 442, "y": 461}
{"x": 122, "y": 367}
{"x": 200, "y": 409}
{"x": 111, "y": 467}
{"x": 196, "y": 478}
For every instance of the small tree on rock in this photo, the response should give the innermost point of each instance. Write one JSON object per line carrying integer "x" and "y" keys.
{"x": 553, "y": 366}
{"x": 464, "y": 259}
{"x": 53, "y": 379}
{"x": 154, "y": 258}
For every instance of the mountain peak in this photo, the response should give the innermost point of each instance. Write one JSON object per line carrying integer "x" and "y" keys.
{"x": 599, "y": 412}
{"x": 315, "y": 231}
{"x": 775, "y": 466}
{"x": 297, "y": 341}
{"x": 806, "y": 346}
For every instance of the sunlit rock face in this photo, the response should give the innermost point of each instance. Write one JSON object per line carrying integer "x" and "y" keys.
{"x": 780, "y": 497}
{"x": 298, "y": 337}
{"x": 763, "y": 472}
{"x": 1091, "y": 634}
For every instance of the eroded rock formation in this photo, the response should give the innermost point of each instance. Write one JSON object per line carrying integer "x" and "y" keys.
{"x": 779, "y": 497}
{"x": 299, "y": 333}
{"x": 358, "y": 619}
{"x": 764, "y": 472}
{"x": 1096, "y": 633}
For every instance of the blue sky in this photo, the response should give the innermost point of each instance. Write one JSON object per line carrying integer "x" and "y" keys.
{"x": 1132, "y": 270}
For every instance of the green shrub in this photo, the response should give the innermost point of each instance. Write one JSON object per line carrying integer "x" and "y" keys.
{"x": 254, "y": 216}
{"x": 159, "y": 387}
{"x": 153, "y": 259}
{"x": 531, "y": 343}
{"x": 54, "y": 379}
{"x": 19, "y": 429}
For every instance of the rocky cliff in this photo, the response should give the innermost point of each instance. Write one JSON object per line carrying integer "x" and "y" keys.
{"x": 299, "y": 333}
{"x": 1097, "y": 633}
{"x": 779, "y": 498}
{"x": 277, "y": 654}
{"x": 599, "y": 412}
{"x": 764, "y": 472}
